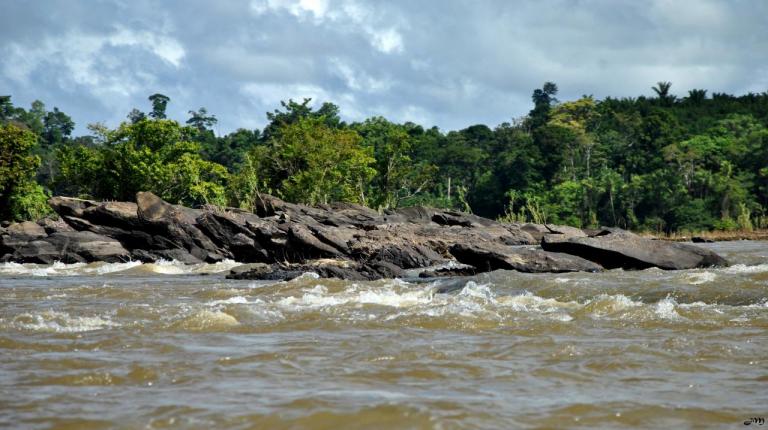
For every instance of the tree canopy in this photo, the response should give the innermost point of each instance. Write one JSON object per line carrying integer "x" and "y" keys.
{"x": 646, "y": 163}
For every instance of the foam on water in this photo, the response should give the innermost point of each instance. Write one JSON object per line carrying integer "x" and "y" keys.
{"x": 59, "y": 322}
{"x": 161, "y": 267}
{"x": 397, "y": 299}
{"x": 105, "y": 268}
{"x": 743, "y": 268}
{"x": 666, "y": 309}
{"x": 698, "y": 278}
{"x": 237, "y": 300}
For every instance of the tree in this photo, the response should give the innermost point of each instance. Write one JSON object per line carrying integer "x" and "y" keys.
{"x": 201, "y": 120}
{"x": 57, "y": 127}
{"x": 152, "y": 156}
{"x": 136, "y": 115}
{"x": 159, "y": 103}
{"x": 399, "y": 177}
{"x": 294, "y": 111}
{"x": 230, "y": 150}
{"x": 6, "y": 108}
{"x": 696, "y": 96}
{"x": 20, "y": 197}
{"x": 307, "y": 161}
{"x": 543, "y": 99}
{"x": 662, "y": 91}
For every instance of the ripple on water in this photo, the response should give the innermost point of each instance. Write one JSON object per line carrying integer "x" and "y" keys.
{"x": 144, "y": 349}
{"x": 58, "y": 322}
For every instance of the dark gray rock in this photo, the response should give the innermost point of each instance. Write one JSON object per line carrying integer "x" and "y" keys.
{"x": 337, "y": 270}
{"x": 51, "y": 225}
{"x": 88, "y": 247}
{"x": 26, "y": 230}
{"x": 407, "y": 256}
{"x": 449, "y": 272}
{"x": 698, "y": 239}
{"x": 293, "y": 237}
{"x": 177, "y": 226}
{"x": 304, "y": 245}
{"x": 488, "y": 257}
{"x": 40, "y": 252}
{"x": 69, "y": 247}
{"x": 616, "y": 248}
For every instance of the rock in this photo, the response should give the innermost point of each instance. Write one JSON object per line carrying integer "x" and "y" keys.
{"x": 292, "y": 237}
{"x": 339, "y": 238}
{"x": 39, "y": 252}
{"x": 448, "y": 217}
{"x": 116, "y": 214}
{"x": 70, "y": 247}
{"x": 51, "y": 225}
{"x": 69, "y": 206}
{"x": 325, "y": 269}
{"x": 538, "y": 231}
{"x": 564, "y": 231}
{"x": 699, "y": 239}
{"x": 304, "y": 245}
{"x": 449, "y": 272}
{"x": 380, "y": 270}
{"x": 488, "y": 257}
{"x": 177, "y": 225}
{"x": 249, "y": 271}
{"x": 232, "y": 231}
{"x": 26, "y": 230}
{"x": 451, "y": 285}
{"x": 616, "y": 248}
{"x": 15, "y": 238}
{"x": 407, "y": 256}
{"x": 88, "y": 246}
{"x": 414, "y": 214}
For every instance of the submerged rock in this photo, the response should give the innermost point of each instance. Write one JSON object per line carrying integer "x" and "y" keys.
{"x": 614, "y": 248}
{"x": 330, "y": 269}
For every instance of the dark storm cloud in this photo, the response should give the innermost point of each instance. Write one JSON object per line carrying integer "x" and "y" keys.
{"x": 446, "y": 63}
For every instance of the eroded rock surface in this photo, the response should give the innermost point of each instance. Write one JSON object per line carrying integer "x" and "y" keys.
{"x": 283, "y": 240}
{"x": 615, "y": 248}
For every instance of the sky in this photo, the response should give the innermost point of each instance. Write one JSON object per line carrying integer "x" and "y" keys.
{"x": 444, "y": 63}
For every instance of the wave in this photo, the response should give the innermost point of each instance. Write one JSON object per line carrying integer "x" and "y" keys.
{"x": 162, "y": 267}
{"x": 58, "y": 322}
{"x": 390, "y": 300}
{"x": 743, "y": 268}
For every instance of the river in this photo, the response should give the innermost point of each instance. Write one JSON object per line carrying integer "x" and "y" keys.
{"x": 161, "y": 346}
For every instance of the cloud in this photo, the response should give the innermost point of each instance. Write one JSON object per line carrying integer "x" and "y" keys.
{"x": 345, "y": 15}
{"x": 438, "y": 62}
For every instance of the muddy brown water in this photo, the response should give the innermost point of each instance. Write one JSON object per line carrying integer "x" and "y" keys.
{"x": 158, "y": 346}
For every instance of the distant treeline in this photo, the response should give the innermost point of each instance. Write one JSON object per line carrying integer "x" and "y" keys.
{"x": 662, "y": 163}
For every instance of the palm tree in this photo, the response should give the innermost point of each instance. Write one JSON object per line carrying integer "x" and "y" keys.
{"x": 662, "y": 90}
{"x": 697, "y": 96}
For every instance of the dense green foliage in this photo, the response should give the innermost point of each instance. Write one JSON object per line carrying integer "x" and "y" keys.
{"x": 157, "y": 155}
{"x": 20, "y": 196}
{"x": 648, "y": 163}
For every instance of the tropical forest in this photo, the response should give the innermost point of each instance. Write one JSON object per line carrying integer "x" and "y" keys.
{"x": 665, "y": 163}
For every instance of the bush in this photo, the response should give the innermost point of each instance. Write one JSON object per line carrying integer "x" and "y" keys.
{"x": 29, "y": 202}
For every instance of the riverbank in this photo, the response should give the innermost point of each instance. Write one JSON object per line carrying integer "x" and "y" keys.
{"x": 713, "y": 236}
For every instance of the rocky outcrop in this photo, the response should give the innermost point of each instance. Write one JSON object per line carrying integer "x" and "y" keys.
{"x": 522, "y": 259}
{"x": 615, "y": 248}
{"x": 64, "y": 246}
{"x": 282, "y": 240}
